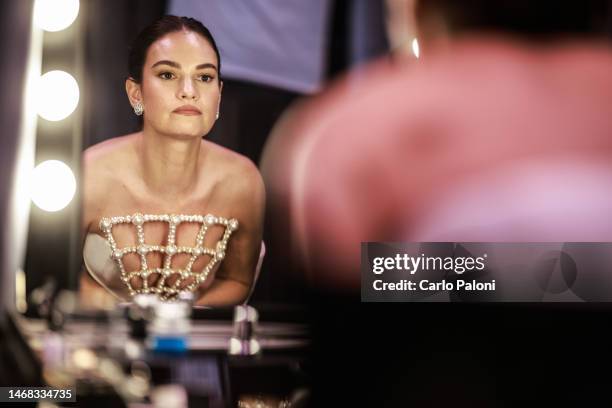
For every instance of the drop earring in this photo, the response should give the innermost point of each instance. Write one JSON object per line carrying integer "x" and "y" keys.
{"x": 217, "y": 117}
{"x": 138, "y": 108}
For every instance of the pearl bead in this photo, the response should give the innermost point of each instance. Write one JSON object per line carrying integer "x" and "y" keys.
{"x": 105, "y": 224}
{"x": 138, "y": 219}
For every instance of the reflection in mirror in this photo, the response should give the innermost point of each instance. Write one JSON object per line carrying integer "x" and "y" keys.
{"x": 139, "y": 123}
{"x": 164, "y": 210}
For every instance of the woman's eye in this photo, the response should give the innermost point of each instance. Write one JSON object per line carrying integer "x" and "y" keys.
{"x": 206, "y": 78}
{"x": 166, "y": 75}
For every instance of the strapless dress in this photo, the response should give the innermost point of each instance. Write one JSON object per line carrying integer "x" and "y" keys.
{"x": 104, "y": 259}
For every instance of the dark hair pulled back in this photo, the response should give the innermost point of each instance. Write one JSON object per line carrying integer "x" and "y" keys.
{"x": 165, "y": 25}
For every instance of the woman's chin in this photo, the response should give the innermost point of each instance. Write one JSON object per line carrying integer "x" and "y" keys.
{"x": 187, "y": 132}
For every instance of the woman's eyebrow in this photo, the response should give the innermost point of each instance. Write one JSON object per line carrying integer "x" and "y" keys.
{"x": 166, "y": 62}
{"x": 207, "y": 65}
{"x": 178, "y": 66}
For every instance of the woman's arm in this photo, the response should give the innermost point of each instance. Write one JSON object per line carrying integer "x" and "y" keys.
{"x": 224, "y": 292}
{"x": 91, "y": 295}
{"x": 245, "y": 195}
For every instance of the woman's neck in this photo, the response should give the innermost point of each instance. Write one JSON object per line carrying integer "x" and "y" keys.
{"x": 169, "y": 165}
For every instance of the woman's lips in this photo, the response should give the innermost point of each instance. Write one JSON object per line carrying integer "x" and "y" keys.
{"x": 187, "y": 110}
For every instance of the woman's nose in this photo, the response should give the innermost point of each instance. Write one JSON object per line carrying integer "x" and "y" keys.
{"x": 188, "y": 90}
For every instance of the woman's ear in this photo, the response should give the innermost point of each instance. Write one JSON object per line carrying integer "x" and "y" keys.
{"x": 132, "y": 88}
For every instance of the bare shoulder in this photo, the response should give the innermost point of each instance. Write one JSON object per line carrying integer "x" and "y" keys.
{"x": 102, "y": 165}
{"x": 105, "y": 161}
{"x": 239, "y": 176}
{"x": 106, "y": 153}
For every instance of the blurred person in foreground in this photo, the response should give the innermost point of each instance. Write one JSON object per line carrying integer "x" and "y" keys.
{"x": 499, "y": 132}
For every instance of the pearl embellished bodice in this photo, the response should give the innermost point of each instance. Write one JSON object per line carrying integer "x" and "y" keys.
{"x": 168, "y": 281}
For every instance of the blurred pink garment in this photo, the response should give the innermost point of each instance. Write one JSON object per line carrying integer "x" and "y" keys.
{"x": 532, "y": 200}
{"x": 372, "y": 160}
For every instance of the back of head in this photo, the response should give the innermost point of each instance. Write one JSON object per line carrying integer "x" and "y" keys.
{"x": 533, "y": 20}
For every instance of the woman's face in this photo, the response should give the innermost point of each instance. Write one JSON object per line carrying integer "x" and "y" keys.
{"x": 180, "y": 87}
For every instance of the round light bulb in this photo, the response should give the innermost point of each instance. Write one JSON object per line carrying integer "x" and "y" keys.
{"x": 57, "y": 95}
{"x": 55, "y": 15}
{"x": 52, "y": 185}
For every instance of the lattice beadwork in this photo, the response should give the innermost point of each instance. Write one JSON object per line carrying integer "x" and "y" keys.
{"x": 166, "y": 292}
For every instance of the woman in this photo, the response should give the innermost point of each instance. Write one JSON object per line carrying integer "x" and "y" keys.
{"x": 164, "y": 210}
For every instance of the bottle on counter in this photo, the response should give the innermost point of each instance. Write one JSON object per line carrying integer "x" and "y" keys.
{"x": 244, "y": 338}
{"x": 170, "y": 326}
